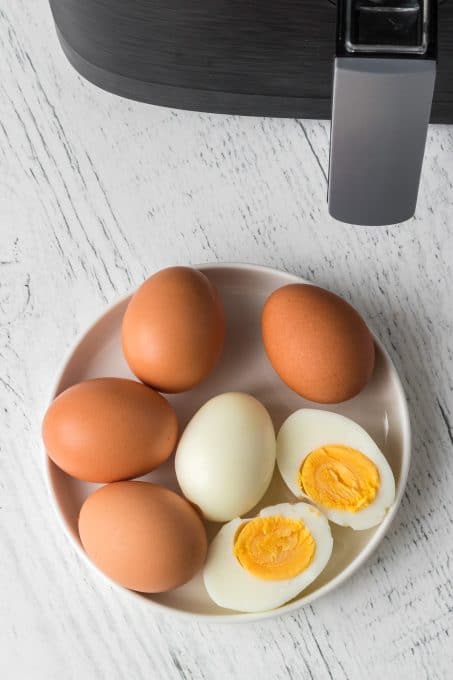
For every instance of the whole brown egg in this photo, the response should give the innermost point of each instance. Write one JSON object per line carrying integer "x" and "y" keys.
{"x": 108, "y": 429}
{"x": 173, "y": 329}
{"x": 317, "y": 342}
{"x": 142, "y": 536}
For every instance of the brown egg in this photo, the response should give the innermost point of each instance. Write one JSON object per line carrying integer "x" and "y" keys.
{"x": 143, "y": 536}
{"x": 318, "y": 344}
{"x": 173, "y": 329}
{"x": 109, "y": 429}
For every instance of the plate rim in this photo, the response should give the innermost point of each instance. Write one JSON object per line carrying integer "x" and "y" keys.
{"x": 240, "y": 617}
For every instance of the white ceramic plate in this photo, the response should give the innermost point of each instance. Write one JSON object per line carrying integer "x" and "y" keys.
{"x": 380, "y": 408}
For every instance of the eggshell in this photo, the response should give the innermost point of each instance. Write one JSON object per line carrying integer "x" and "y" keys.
{"x": 318, "y": 344}
{"x": 142, "y": 536}
{"x": 109, "y": 429}
{"x": 173, "y": 329}
{"x": 226, "y": 456}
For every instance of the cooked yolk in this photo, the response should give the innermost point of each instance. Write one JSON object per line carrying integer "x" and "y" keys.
{"x": 339, "y": 477}
{"x": 274, "y": 548}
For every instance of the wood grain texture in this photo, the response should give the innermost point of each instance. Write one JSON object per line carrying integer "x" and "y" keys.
{"x": 96, "y": 193}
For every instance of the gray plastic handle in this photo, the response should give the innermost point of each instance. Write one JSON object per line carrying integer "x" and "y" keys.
{"x": 380, "y": 116}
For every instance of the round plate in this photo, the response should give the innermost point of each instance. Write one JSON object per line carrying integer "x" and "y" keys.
{"x": 380, "y": 408}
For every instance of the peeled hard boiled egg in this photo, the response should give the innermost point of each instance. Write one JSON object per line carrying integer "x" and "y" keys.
{"x": 142, "y": 536}
{"x": 332, "y": 461}
{"x": 226, "y": 456}
{"x": 109, "y": 429}
{"x": 261, "y": 563}
{"x": 173, "y": 329}
{"x": 317, "y": 343}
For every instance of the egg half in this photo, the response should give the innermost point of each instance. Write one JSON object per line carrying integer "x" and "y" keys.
{"x": 261, "y": 563}
{"x": 332, "y": 461}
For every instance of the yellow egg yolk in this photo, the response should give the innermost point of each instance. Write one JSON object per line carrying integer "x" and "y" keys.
{"x": 274, "y": 548}
{"x": 339, "y": 478}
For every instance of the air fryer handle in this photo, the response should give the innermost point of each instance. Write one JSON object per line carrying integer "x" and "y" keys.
{"x": 380, "y": 115}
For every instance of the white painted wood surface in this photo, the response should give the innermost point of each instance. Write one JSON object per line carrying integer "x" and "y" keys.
{"x": 97, "y": 192}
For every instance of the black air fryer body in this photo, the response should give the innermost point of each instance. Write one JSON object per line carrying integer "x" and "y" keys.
{"x": 261, "y": 57}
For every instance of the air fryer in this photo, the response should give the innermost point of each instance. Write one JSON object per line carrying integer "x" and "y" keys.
{"x": 370, "y": 64}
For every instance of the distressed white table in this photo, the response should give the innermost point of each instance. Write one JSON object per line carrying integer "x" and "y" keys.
{"x": 97, "y": 192}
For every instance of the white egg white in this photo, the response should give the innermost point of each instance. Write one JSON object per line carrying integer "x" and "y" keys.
{"x": 226, "y": 456}
{"x": 230, "y": 585}
{"x": 309, "y": 429}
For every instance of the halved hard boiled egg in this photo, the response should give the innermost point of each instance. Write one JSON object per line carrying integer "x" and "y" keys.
{"x": 260, "y": 563}
{"x": 333, "y": 462}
